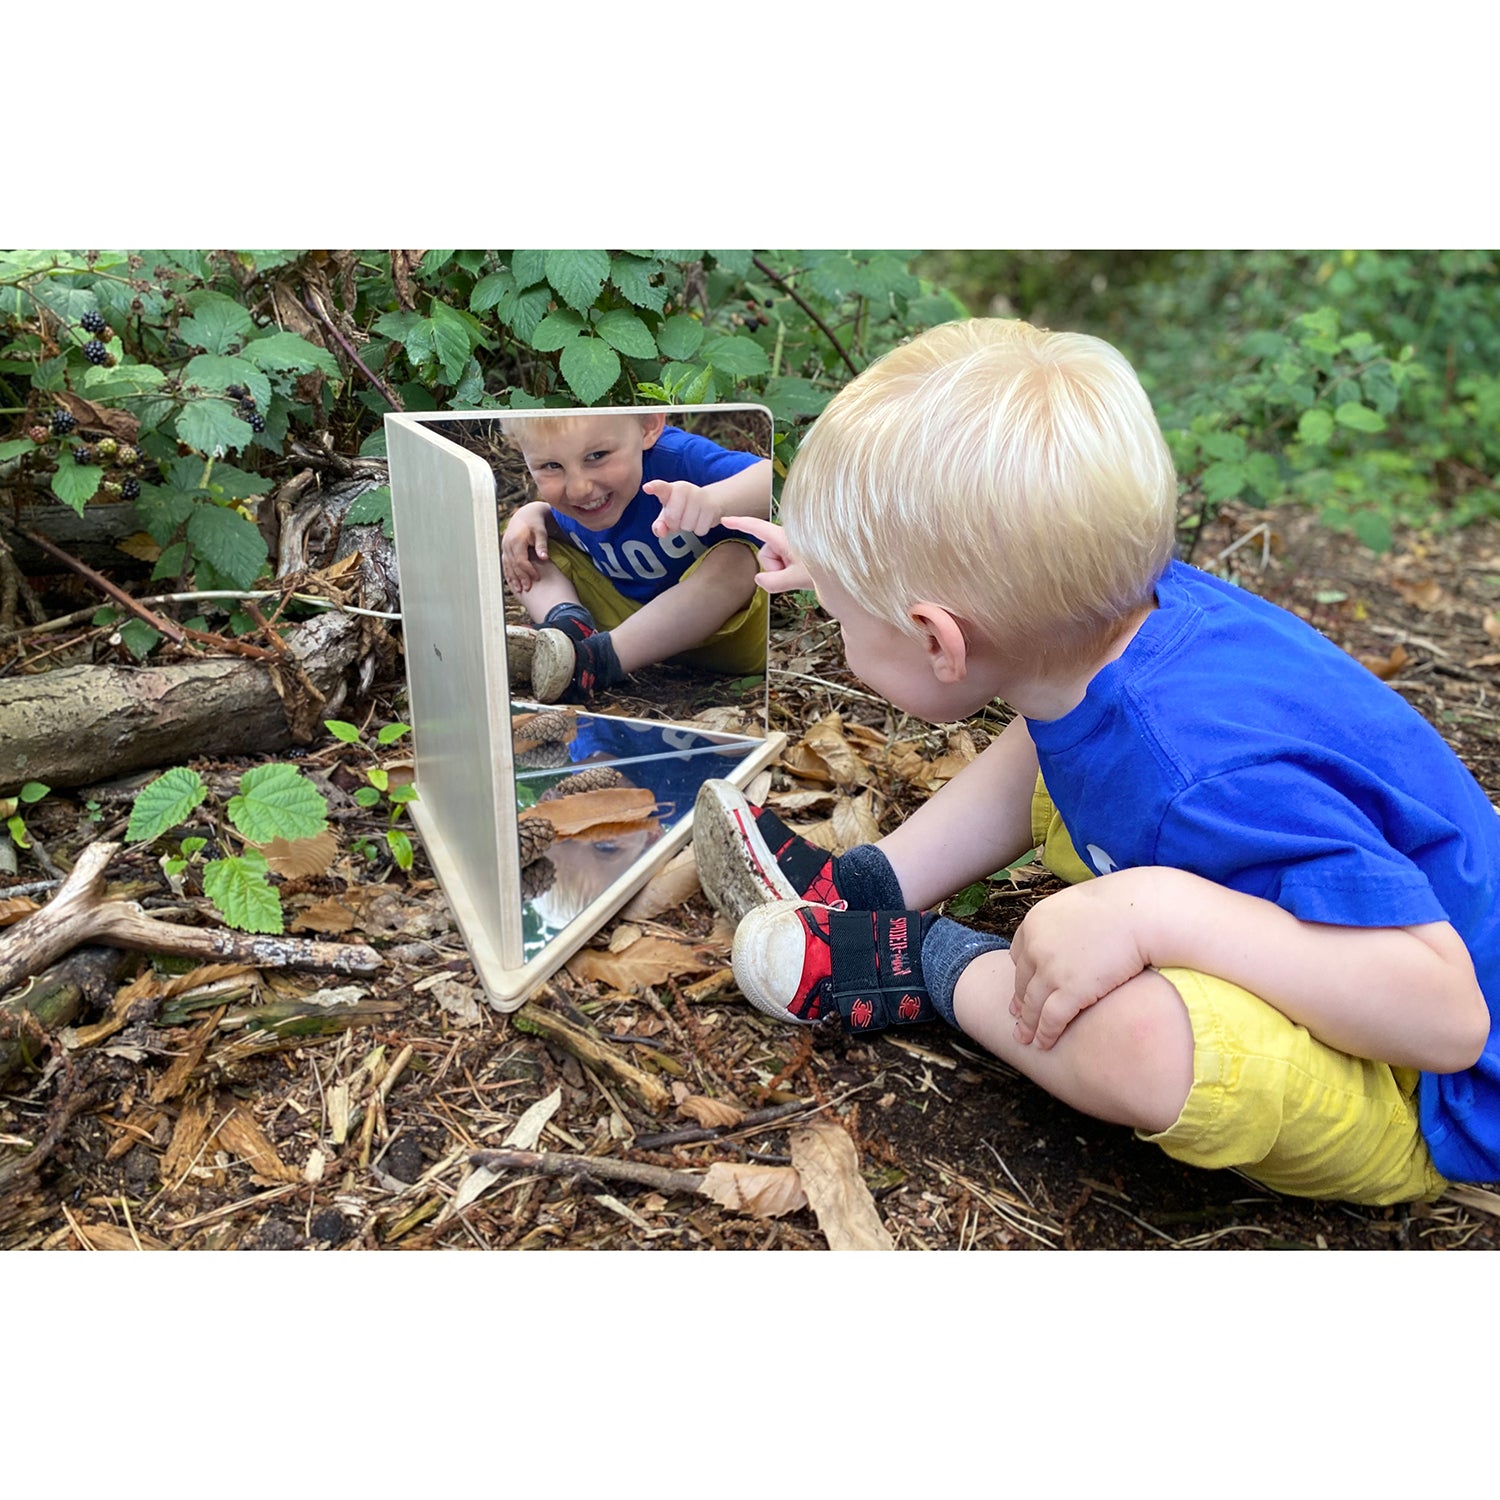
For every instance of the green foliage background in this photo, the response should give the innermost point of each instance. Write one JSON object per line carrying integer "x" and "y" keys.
{"x": 1362, "y": 383}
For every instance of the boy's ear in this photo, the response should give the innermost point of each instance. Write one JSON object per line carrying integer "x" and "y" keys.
{"x": 651, "y": 428}
{"x": 947, "y": 649}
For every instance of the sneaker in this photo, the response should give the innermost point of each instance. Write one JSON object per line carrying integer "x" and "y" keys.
{"x": 539, "y": 660}
{"x": 747, "y": 856}
{"x": 786, "y": 954}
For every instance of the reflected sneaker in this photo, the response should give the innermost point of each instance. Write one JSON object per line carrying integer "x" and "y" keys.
{"x": 803, "y": 963}
{"x": 539, "y": 662}
{"x": 747, "y": 856}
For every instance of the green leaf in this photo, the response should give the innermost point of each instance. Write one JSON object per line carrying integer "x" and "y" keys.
{"x": 735, "y": 262}
{"x": 284, "y": 350}
{"x": 192, "y": 845}
{"x": 1222, "y": 481}
{"x": 390, "y": 733}
{"x": 700, "y": 388}
{"x": 164, "y": 803}
{"x": 1315, "y": 426}
{"x": 227, "y": 540}
{"x": 241, "y": 890}
{"x": 373, "y": 507}
{"x": 557, "y": 330}
{"x": 109, "y": 383}
{"x": 367, "y": 796}
{"x": 1374, "y": 530}
{"x": 1322, "y": 321}
{"x": 218, "y": 323}
{"x": 490, "y": 290}
{"x": 230, "y": 483}
{"x": 966, "y": 902}
{"x": 400, "y": 847}
{"x": 33, "y": 791}
{"x": 169, "y": 564}
{"x": 632, "y": 275}
{"x": 341, "y": 730}
{"x": 680, "y": 337}
{"x": 1263, "y": 475}
{"x": 791, "y": 397}
{"x": 75, "y": 484}
{"x": 624, "y": 331}
{"x": 577, "y": 276}
{"x": 211, "y": 426}
{"x": 217, "y": 372}
{"x": 139, "y": 639}
{"x": 525, "y": 311}
{"x": 736, "y": 356}
{"x": 1225, "y": 445}
{"x": 454, "y": 336}
{"x": 528, "y": 267}
{"x": 404, "y": 793}
{"x": 15, "y": 447}
{"x": 590, "y": 367}
{"x": 17, "y": 829}
{"x": 1360, "y": 418}
{"x": 379, "y": 778}
{"x": 277, "y": 801}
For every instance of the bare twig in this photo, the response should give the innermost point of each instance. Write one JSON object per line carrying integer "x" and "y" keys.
{"x": 314, "y": 305}
{"x": 801, "y": 302}
{"x": 605, "y": 1168}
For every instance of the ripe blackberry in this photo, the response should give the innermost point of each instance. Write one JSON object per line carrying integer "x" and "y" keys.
{"x": 256, "y": 421}
{"x": 83, "y": 454}
{"x": 236, "y": 392}
{"x": 131, "y": 489}
{"x": 93, "y": 322}
{"x": 247, "y": 400}
{"x": 63, "y": 422}
{"x": 95, "y": 352}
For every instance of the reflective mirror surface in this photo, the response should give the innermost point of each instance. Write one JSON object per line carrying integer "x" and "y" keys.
{"x": 532, "y": 860}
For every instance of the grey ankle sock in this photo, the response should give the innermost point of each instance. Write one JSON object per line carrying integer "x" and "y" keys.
{"x": 947, "y": 950}
{"x": 865, "y": 879}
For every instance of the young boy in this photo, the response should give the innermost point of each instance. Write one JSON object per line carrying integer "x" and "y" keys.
{"x": 624, "y": 560}
{"x": 1289, "y": 954}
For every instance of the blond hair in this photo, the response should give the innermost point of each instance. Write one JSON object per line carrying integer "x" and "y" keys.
{"x": 547, "y": 425}
{"x": 1013, "y": 476}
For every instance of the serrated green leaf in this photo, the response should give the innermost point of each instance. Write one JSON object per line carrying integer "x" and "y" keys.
{"x": 590, "y": 367}
{"x": 528, "y": 267}
{"x": 211, "y": 426}
{"x": 169, "y": 564}
{"x": 557, "y": 330}
{"x": 164, "y": 803}
{"x": 1315, "y": 426}
{"x": 454, "y": 337}
{"x": 1226, "y": 445}
{"x": 340, "y": 729}
{"x": 1358, "y": 418}
{"x": 372, "y": 508}
{"x": 218, "y": 323}
{"x": 735, "y": 262}
{"x": 791, "y": 397}
{"x": 700, "y": 388}
{"x": 224, "y": 538}
{"x": 736, "y": 356}
{"x": 15, "y": 447}
{"x": 522, "y": 313}
{"x": 230, "y": 483}
{"x": 75, "y": 484}
{"x": 105, "y": 383}
{"x": 679, "y": 337}
{"x": 239, "y": 887}
{"x": 632, "y": 275}
{"x": 1222, "y": 481}
{"x": 277, "y": 801}
{"x": 577, "y": 276}
{"x": 491, "y": 289}
{"x": 139, "y": 639}
{"x": 216, "y": 372}
{"x": 285, "y": 350}
{"x": 1264, "y": 475}
{"x": 624, "y": 331}
{"x": 192, "y": 845}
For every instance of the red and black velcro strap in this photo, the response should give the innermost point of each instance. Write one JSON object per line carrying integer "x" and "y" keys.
{"x": 877, "y": 969}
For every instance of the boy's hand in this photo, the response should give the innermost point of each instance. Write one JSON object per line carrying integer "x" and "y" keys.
{"x": 684, "y": 507}
{"x": 525, "y": 534}
{"x": 780, "y": 571}
{"x": 1072, "y": 949}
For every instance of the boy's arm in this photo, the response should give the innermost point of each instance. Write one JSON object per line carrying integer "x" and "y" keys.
{"x": 1406, "y": 996}
{"x": 972, "y": 826}
{"x": 526, "y": 532}
{"x": 700, "y": 507}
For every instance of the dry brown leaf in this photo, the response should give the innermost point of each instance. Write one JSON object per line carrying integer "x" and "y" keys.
{"x": 789, "y": 804}
{"x": 242, "y": 1137}
{"x": 826, "y": 1161}
{"x": 710, "y": 1113}
{"x": 666, "y": 890}
{"x": 298, "y": 858}
{"x": 331, "y": 915}
{"x": 118, "y": 424}
{"x": 141, "y": 547}
{"x": 14, "y": 908}
{"x": 629, "y": 805}
{"x": 652, "y": 960}
{"x": 1492, "y": 660}
{"x": 1385, "y": 667}
{"x": 853, "y": 822}
{"x": 763, "y": 1192}
{"x": 827, "y": 740}
{"x": 1427, "y": 595}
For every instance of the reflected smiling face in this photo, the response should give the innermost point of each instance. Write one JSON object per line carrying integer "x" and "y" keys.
{"x": 588, "y": 467}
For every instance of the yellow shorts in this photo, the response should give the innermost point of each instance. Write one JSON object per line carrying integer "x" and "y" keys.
{"x": 1268, "y": 1097}
{"x": 736, "y": 649}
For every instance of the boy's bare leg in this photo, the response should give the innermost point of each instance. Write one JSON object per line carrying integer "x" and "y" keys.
{"x": 551, "y": 588}
{"x": 686, "y": 614}
{"x": 1127, "y": 1059}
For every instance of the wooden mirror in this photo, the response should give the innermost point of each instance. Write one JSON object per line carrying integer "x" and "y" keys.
{"x": 492, "y": 764}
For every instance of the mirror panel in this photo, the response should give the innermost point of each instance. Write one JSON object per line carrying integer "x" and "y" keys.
{"x": 484, "y": 768}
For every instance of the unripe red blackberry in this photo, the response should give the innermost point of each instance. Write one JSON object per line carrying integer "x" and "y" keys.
{"x": 38, "y": 434}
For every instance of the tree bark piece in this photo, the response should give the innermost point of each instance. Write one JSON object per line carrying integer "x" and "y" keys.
{"x": 80, "y": 913}
{"x": 52, "y": 1000}
{"x": 591, "y": 1052}
{"x": 78, "y": 725}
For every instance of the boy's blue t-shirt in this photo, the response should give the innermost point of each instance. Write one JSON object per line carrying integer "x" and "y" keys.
{"x": 1233, "y": 740}
{"x": 640, "y": 564}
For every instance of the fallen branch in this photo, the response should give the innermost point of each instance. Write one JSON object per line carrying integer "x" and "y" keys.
{"x": 80, "y": 913}
{"x": 605, "y": 1168}
{"x": 51, "y": 1000}
{"x": 592, "y": 1053}
{"x": 756, "y": 1119}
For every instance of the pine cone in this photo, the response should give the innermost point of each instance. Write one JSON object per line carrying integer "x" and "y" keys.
{"x": 536, "y": 838}
{"x": 537, "y": 878}
{"x": 595, "y": 779}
